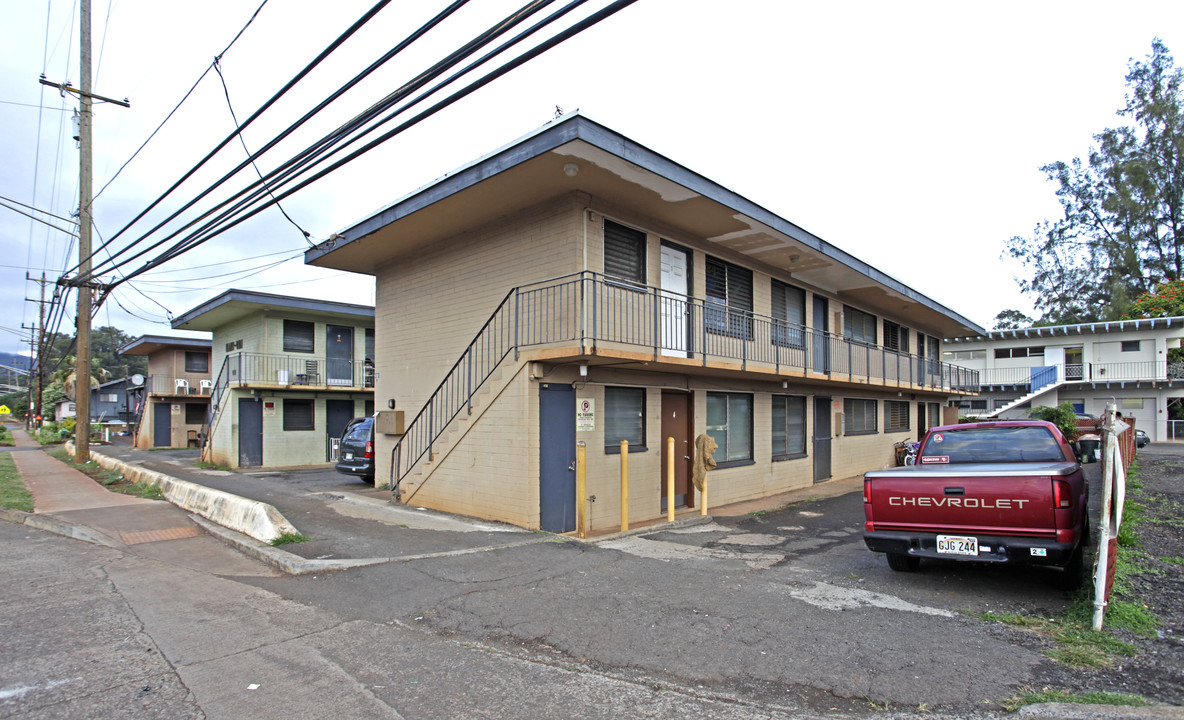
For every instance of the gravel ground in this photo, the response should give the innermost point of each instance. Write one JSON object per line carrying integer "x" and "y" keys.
{"x": 1156, "y": 672}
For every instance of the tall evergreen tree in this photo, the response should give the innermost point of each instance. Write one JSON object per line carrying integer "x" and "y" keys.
{"x": 1122, "y": 229}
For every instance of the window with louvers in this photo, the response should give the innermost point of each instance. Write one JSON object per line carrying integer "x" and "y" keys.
{"x": 858, "y": 325}
{"x": 729, "y": 299}
{"x": 789, "y": 310}
{"x": 789, "y": 426}
{"x": 624, "y": 253}
{"x": 859, "y": 416}
{"x": 896, "y": 415}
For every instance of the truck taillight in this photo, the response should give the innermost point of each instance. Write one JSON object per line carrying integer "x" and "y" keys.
{"x": 867, "y": 491}
{"x": 369, "y": 450}
{"x": 1061, "y": 493}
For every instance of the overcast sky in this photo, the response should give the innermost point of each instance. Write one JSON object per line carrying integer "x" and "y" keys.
{"x": 908, "y": 134}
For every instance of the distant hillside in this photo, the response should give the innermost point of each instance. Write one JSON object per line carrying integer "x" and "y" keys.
{"x": 20, "y": 362}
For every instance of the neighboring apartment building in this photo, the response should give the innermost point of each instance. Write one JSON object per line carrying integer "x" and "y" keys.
{"x": 1089, "y": 365}
{"x": 172, "y": 402}
{"x": 110, "y": 402}
{"x": 576, "y": 287}
{"x": 289, "y": 373}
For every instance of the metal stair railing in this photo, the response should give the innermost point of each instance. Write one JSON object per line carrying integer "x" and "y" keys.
{"x": 216, "y": 393}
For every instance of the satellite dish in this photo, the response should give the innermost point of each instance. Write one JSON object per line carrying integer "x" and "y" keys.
{"x": 137, "y": 380}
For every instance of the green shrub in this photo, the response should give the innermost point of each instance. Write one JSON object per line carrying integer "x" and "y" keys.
{"x": 1063, "y": 416}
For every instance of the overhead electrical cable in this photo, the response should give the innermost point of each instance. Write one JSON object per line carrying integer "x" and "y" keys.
{"x": 263, "y": 108}
{"x": 344, "y": 130}
{"x": 241, "y": 139}
{"x": 212, "y": 228}
{"x": 434, "y": 22}
{"x": 183, "y": 99}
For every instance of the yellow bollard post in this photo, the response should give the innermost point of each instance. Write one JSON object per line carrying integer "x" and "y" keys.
{"x": 624, "y": 485}
{"x": 703, "y": 499}
{"x": 581, "y": 491}
{"x": 670, "y": 479}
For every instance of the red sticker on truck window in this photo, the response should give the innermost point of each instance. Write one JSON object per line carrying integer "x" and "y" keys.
{"x": 935, "y": 460}
{"x": 939, "y": 438}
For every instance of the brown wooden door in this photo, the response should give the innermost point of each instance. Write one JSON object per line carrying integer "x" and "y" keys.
{"x": 676, "y": 423}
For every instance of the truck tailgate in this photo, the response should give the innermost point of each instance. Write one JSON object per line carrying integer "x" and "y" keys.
{"x": 995, "y": 499}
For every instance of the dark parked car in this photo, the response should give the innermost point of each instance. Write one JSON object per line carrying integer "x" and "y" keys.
{"x": 356, "y": 453}
{"x": 1141, "y": 438}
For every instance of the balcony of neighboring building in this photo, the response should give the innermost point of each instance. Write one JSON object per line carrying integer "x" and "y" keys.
{"x": 296, "y": 371}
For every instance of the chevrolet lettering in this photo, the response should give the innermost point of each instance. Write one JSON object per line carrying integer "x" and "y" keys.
{"x": 1000, "y": 492}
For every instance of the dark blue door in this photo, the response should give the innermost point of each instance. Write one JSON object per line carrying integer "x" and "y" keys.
{"x": 162, "y": 427}
{"x": 250, "y": 432}
{"x": 557, "y": 457}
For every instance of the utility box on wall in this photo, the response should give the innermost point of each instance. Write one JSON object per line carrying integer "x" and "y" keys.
{"x": 389, "y": 422}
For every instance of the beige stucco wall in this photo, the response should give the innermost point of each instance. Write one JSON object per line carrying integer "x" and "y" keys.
{"x": 432, "y": 303}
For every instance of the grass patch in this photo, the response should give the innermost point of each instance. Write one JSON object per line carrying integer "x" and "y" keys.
{"x": 288, "y": 539}
{"x": 109, "y": 479}
{"x": 1049, "y": 695}
{"x": 1173, "y": 560}
{"x": 1076, "y": 643}
{"x": 213, "y": 466}
{"x": 13, "y": 493}
{"x": 6, "y": 439}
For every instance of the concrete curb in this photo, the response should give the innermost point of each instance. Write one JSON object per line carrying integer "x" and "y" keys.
{"x": 250, "y": 517}
{"x": 43, "y": 522}
{"x": 647, "y": 530}
{"x": 1071, "y": 711}
{"x": 283, "y": 560}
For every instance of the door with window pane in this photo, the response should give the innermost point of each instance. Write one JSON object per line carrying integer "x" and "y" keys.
{"x": 674, "y": 315}
{"x": 339, "y": 355}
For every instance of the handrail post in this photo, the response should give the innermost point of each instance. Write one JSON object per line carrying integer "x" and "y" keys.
{"x": 469, "y": 388}
{"x": 670, "y": 479}
{"x": 624, "y": 485}
{"x": 581, "y": 490}
{"x": 517, "y": 321}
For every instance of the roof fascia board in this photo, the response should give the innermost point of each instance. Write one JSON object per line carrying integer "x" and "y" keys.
{"x": 579, "y": 127}
{"x": 1111, "y": 326}
{"x": 283, "y": 301}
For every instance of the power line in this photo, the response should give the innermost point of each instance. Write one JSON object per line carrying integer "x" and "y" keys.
{"x": 182, "y": 101}
{"x": 339, "y": 136}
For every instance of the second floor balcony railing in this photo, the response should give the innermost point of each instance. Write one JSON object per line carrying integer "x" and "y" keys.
{"x": 249, "y": 368}
{"x": 1038, "y": 377}
{"x": 188, "y": 384}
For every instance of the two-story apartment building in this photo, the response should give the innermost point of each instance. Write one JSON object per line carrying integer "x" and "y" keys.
{"x": 173, "y": 400}
{"x": 1089, "y": 365}
{"x": 288, "y": 374}
{"x": 576, "y": 288}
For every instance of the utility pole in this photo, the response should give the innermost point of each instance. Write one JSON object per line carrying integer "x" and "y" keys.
{"x": 82, "y": 367}
{"x": 36, "y": 356}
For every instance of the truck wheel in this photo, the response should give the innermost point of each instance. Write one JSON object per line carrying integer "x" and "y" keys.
{"x": 903, "y": 563}
{"x": 1073, "y": 574}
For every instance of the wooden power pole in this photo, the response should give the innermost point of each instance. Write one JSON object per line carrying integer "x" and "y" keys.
{"x": 82, "y": 354}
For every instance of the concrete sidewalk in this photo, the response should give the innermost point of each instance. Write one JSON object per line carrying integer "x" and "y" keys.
{"x": 70, "y": 503}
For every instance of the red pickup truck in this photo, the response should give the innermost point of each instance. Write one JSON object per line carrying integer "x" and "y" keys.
{"x": 985, "y": 492}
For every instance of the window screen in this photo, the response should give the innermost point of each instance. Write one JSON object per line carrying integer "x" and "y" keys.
{"x": 896, "y": 336}
{"x": 859, "y": 416}
{"x": 624, "y": 417}
{"x": 298, "y": 415}
{"x": 789, "y": 426}
{"x": 896, "y": 415}
{"x": 299, "y": 336}
{"x": 195, "y": 413}
{"x": 729, "y": 299}
{"x": 624, "y": 252}
{"x": 858, "y": 325}
{"x": 729, "y": 422}
{"x": 197, "y": 362}
{"x": 789, "y": 311}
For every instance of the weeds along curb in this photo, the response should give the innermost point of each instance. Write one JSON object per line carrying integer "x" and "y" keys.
{"x": 255, "y": 519}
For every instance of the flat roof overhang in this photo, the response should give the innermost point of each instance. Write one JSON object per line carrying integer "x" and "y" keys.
{"x": 617, "y": 171}
{"x": 148, "y": 344}
{"x": 235, "y": 304}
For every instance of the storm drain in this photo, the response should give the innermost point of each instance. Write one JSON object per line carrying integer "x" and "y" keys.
{"x": 135, "y": 538}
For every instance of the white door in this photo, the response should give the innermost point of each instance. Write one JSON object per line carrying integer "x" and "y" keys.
{"x": 675, "y": 309}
